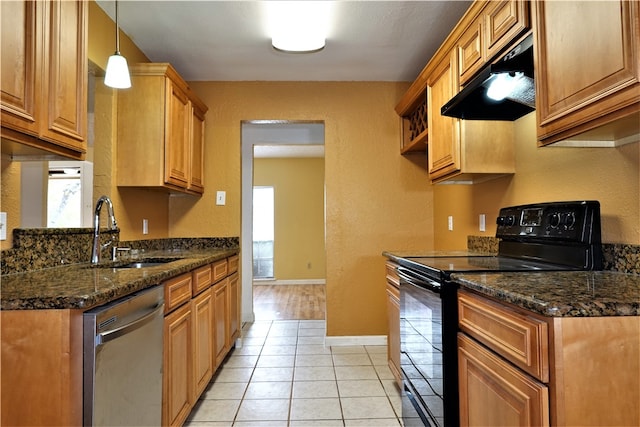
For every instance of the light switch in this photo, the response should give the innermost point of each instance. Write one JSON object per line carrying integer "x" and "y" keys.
{"x": 3, "y": 226}
{"x": 450, "y": 222}
{"x": 483, "y": 222}
{"x": 221, "y": 198}
{"x": 145, "y": 226}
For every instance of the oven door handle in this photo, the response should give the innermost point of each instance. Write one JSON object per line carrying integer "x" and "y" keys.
{"x": 416, "y": 279}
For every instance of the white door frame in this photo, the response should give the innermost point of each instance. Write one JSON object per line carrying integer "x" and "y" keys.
{"x": 264, "y": 132}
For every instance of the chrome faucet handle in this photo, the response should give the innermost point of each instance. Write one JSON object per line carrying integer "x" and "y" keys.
{"x": 115, "y": 250}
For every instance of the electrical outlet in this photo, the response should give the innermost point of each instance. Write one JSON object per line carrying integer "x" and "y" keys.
{"x": 221, "y": 198}
{"x": 450, "y": 222}
{"x": 483, "y": 222}
{"x": 145, "y": 226}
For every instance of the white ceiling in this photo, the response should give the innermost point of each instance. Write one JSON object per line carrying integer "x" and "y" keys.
{"x": 228, "y": 40}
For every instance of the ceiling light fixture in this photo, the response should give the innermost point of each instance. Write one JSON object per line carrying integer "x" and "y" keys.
{"x": 298, "y": 26}
{"x": 117, "y": 75}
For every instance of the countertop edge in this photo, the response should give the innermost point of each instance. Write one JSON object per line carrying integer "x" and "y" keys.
{"x": 135, "y": 281}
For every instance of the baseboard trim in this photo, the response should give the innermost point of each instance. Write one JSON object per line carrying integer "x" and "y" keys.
{"x": 259, "y": 282}
{"x": 355, "y": 340}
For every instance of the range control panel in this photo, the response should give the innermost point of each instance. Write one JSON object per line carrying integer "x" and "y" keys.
{"x": 577, "y": 222}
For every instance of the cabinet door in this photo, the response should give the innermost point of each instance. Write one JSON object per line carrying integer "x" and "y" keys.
{"x": 177, "y": 376}
{"x": 44, "y": 75}
{"x": 19, "y": 20}
{"x": 493, "y": 393}
{"x": 444, "y": 141}
{"x": 64, "y": 86}
{"x": 202, "y": 313}
{"x": 196, "y": 177}
{"x": 234, "y": 309}
{"x": 177, "y": 136}
{"x": 596, "y": 43}
{"x": 393, "y": 345}
{"x": 220, "y": 320}
{"x": 503, "y": 22}
{"x": 470, "y": 51}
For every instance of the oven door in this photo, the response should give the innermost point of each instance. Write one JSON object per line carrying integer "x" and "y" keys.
{"x": 428, "y": 323}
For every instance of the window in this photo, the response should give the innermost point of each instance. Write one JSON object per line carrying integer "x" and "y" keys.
{"x": 69, "y": 194}
{"x": 263, "y": 231}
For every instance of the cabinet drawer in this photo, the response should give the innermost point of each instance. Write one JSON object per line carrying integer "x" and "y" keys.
{"x": 514, "y": 334}
{"x": 202, "y": 279}
{"x": 233, "y": 263}
{"x": 392, "y": 274}
{"x": 177, "y": 291}
{"x": 219, "y": 270}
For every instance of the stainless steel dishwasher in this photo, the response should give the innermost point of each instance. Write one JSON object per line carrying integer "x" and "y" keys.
{"x": 123, "y": 361}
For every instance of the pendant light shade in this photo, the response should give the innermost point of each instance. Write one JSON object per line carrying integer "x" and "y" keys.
{"x": 117, "y": 75}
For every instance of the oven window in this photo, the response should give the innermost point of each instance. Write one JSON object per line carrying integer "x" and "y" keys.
{"x": 421, "y": 349}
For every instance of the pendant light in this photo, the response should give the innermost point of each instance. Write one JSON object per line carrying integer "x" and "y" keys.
{"x": 117, "y": 75}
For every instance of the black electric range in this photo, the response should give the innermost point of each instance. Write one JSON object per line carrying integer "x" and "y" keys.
{"x": 557, "y": 236}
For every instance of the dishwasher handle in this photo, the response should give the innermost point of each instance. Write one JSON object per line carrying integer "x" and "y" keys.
{"x": 110, "y": 335}
{"x": 414, "y": 278}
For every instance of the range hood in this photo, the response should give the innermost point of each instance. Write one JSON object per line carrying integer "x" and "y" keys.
{"x": 511, "y": 77}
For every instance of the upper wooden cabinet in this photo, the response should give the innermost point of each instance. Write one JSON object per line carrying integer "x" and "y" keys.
{"x": 444, "y": 153}
{"x": 160, "y": 131}
{"x": 587, "y": 70}
{"x": 497, "y": 25}
{"x": 464, "y": 151}
{"x": 44, "y": 77}
{"x": 196, "y": 181}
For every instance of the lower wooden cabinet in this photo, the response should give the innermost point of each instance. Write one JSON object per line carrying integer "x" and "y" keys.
{"x": 202, "y": 320}
{"x": 178, "y": 365}
{"x": 234, "y": 308}
{"x": 220, "y": 320}
{"x": 518, "y": 368}
{"x": 393, "y": 313}
{"x": 202, "y": 313}
{"x": 494, "y": 393}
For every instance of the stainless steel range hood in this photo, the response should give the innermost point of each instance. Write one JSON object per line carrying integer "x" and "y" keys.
{"x": 512, "y": 75}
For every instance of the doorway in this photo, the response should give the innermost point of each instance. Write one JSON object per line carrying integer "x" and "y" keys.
{"x": 279, "y": 147}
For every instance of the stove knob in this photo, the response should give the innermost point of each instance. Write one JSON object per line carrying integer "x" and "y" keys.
{"x": 500, "y": 220}
{"x": 568, "y": 219}
{"x": 554, "y": 220}
{"x": 511, "y": 220}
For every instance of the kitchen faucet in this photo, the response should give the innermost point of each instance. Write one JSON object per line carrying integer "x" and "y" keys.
{"x": 95, "y": 252}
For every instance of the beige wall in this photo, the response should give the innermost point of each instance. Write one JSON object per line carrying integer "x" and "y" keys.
{"x": 609, "y": 175}
{"x": 376, "y": 199}
{"x": 299, "y": 215}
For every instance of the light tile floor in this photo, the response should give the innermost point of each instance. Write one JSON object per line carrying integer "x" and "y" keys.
{"x": 284, "y": 376}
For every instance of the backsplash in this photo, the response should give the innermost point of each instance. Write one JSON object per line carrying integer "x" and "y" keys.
{"x": 621, "y": 257}
{"x": 39, "y": 248}
{"x": 617, "y": 256}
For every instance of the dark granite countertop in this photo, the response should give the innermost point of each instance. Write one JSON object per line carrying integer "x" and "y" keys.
{"x": 82, "y": 286}
{"x": 561, "y": 294}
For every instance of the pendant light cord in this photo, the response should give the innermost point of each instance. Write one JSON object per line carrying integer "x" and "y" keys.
{"x": 117, "y": 32}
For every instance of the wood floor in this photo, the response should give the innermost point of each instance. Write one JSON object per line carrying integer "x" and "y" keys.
{"x": 289, "y": 302}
